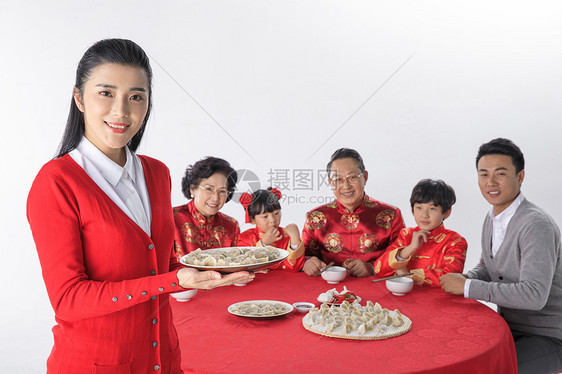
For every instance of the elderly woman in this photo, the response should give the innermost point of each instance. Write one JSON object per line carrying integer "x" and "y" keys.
{"x": 353, "y": 230}
{"x": 209, "y": 184}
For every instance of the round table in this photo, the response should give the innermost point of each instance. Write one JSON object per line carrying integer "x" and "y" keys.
{"x": 449, "y": 334}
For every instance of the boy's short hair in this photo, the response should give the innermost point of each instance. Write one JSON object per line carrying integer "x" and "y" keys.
{"x": 502, "y": 146}
{"x": 263, "y": 201}
{"x": 436, "y": 191}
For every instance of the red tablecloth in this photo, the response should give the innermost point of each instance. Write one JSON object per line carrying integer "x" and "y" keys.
{"x": 449, "y": 333}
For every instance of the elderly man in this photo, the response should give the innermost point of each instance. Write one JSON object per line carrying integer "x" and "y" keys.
{"x": 520, "y": 268}
{"x": 353, "y": 230}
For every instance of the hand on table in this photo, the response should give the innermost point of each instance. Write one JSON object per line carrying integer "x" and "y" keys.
{"x": 358, "y": 268}
{"x": 206, "y": 280}
{"x": 312, "y": 266}
{"x": 271, "y": 236}
{"x": 453, "y": 283}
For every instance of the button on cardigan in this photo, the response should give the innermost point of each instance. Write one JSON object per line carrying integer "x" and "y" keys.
{"x": 105, "y": 283}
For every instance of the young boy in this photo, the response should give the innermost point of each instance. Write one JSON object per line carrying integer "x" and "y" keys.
{"x": 429, "y": 250}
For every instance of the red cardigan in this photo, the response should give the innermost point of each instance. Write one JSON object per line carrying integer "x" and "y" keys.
{"x": 107, "y": 280}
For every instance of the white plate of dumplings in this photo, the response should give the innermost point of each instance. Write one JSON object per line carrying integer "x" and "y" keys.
{"x": 260, "y": 308}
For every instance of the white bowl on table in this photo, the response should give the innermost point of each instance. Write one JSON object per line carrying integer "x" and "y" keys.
{"x": 184, "y": 295}
{"x": 334, "y": 274}
{"x": 400, "y": 286}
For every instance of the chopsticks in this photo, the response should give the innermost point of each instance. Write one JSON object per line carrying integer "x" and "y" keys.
{"x": 326, "y": 267}
{"x": 391, "y": 277}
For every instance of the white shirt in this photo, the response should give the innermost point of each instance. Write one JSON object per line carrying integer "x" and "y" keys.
{"x": 126, "y": 185}
{"x": 499, "y": 228}
{"x": 500, "y": 222}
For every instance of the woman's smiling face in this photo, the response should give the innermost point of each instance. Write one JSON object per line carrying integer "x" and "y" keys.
{"x": 114, "y": 101}
{"x": 210, "y": 195}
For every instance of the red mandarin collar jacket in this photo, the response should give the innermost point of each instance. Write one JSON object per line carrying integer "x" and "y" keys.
{"x": 194, "y": 230}
{"x": 333, "y": 233}
{"x": 444, "y": 252}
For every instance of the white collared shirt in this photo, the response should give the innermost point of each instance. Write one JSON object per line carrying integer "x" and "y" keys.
{"x": 500, "y": 222}
{"x": 126, "y": 185}
{"x": 499, "y": 228}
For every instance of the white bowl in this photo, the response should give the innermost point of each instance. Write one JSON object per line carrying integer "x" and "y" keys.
{"x": 335, "y": 274}
{"x": 400, "y": 286}
{"x": 184, "y": 295}
{"x": 303, "y": 306}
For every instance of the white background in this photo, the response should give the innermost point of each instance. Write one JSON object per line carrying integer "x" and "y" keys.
{"x": 414, "y": 86}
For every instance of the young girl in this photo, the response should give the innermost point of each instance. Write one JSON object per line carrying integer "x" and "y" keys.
{"x": 101, "y": 218}
{"x": 264, "y": 211}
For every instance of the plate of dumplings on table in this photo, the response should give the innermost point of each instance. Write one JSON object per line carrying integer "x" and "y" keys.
{"x": 357, "y": 322}
{"x": 260, "y": 309}
{"x": 232, "y": 259}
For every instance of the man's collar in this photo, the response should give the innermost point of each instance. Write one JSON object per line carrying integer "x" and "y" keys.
{"x": 509, "y": 211}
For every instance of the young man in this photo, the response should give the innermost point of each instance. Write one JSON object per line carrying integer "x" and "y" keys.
{"x": 353, "y": 230}
{"x": 520, "y": 269}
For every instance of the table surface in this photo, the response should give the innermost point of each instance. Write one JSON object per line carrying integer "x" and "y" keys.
{"x": 449, "y": 334}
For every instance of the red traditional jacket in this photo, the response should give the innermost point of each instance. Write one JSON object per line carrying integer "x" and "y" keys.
{"x": 295, "y": 261}
{"x": 194, "y": 231}
{"x": 107, "y": 280}
{"x": 333, "y": 233}
{"x": 444, "y": 252}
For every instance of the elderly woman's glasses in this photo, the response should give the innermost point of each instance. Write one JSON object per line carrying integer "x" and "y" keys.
{"x": 350, "y": 179}
{"x": 221, "y": 192}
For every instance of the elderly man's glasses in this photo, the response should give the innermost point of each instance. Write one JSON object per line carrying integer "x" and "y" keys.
{"x": 350, "y": 179}
{"x": 221, "y": 192}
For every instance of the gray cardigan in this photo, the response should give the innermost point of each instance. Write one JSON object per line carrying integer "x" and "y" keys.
{"x": 525, "y": 277}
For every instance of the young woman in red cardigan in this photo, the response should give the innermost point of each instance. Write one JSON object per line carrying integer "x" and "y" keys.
{"x": 263, "y": 210}
{"x": 102, "y": 222}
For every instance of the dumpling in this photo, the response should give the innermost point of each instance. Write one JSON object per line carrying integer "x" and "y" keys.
{"x": 329, "y": 327}
{"x": 362, "y": 329}
{"x": 209, "y": 261}
{"x": 398, "y": 321}
{"x": 387, "y": 320}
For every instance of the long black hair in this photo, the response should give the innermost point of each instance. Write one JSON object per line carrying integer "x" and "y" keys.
{"x": 116, "y": 51}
